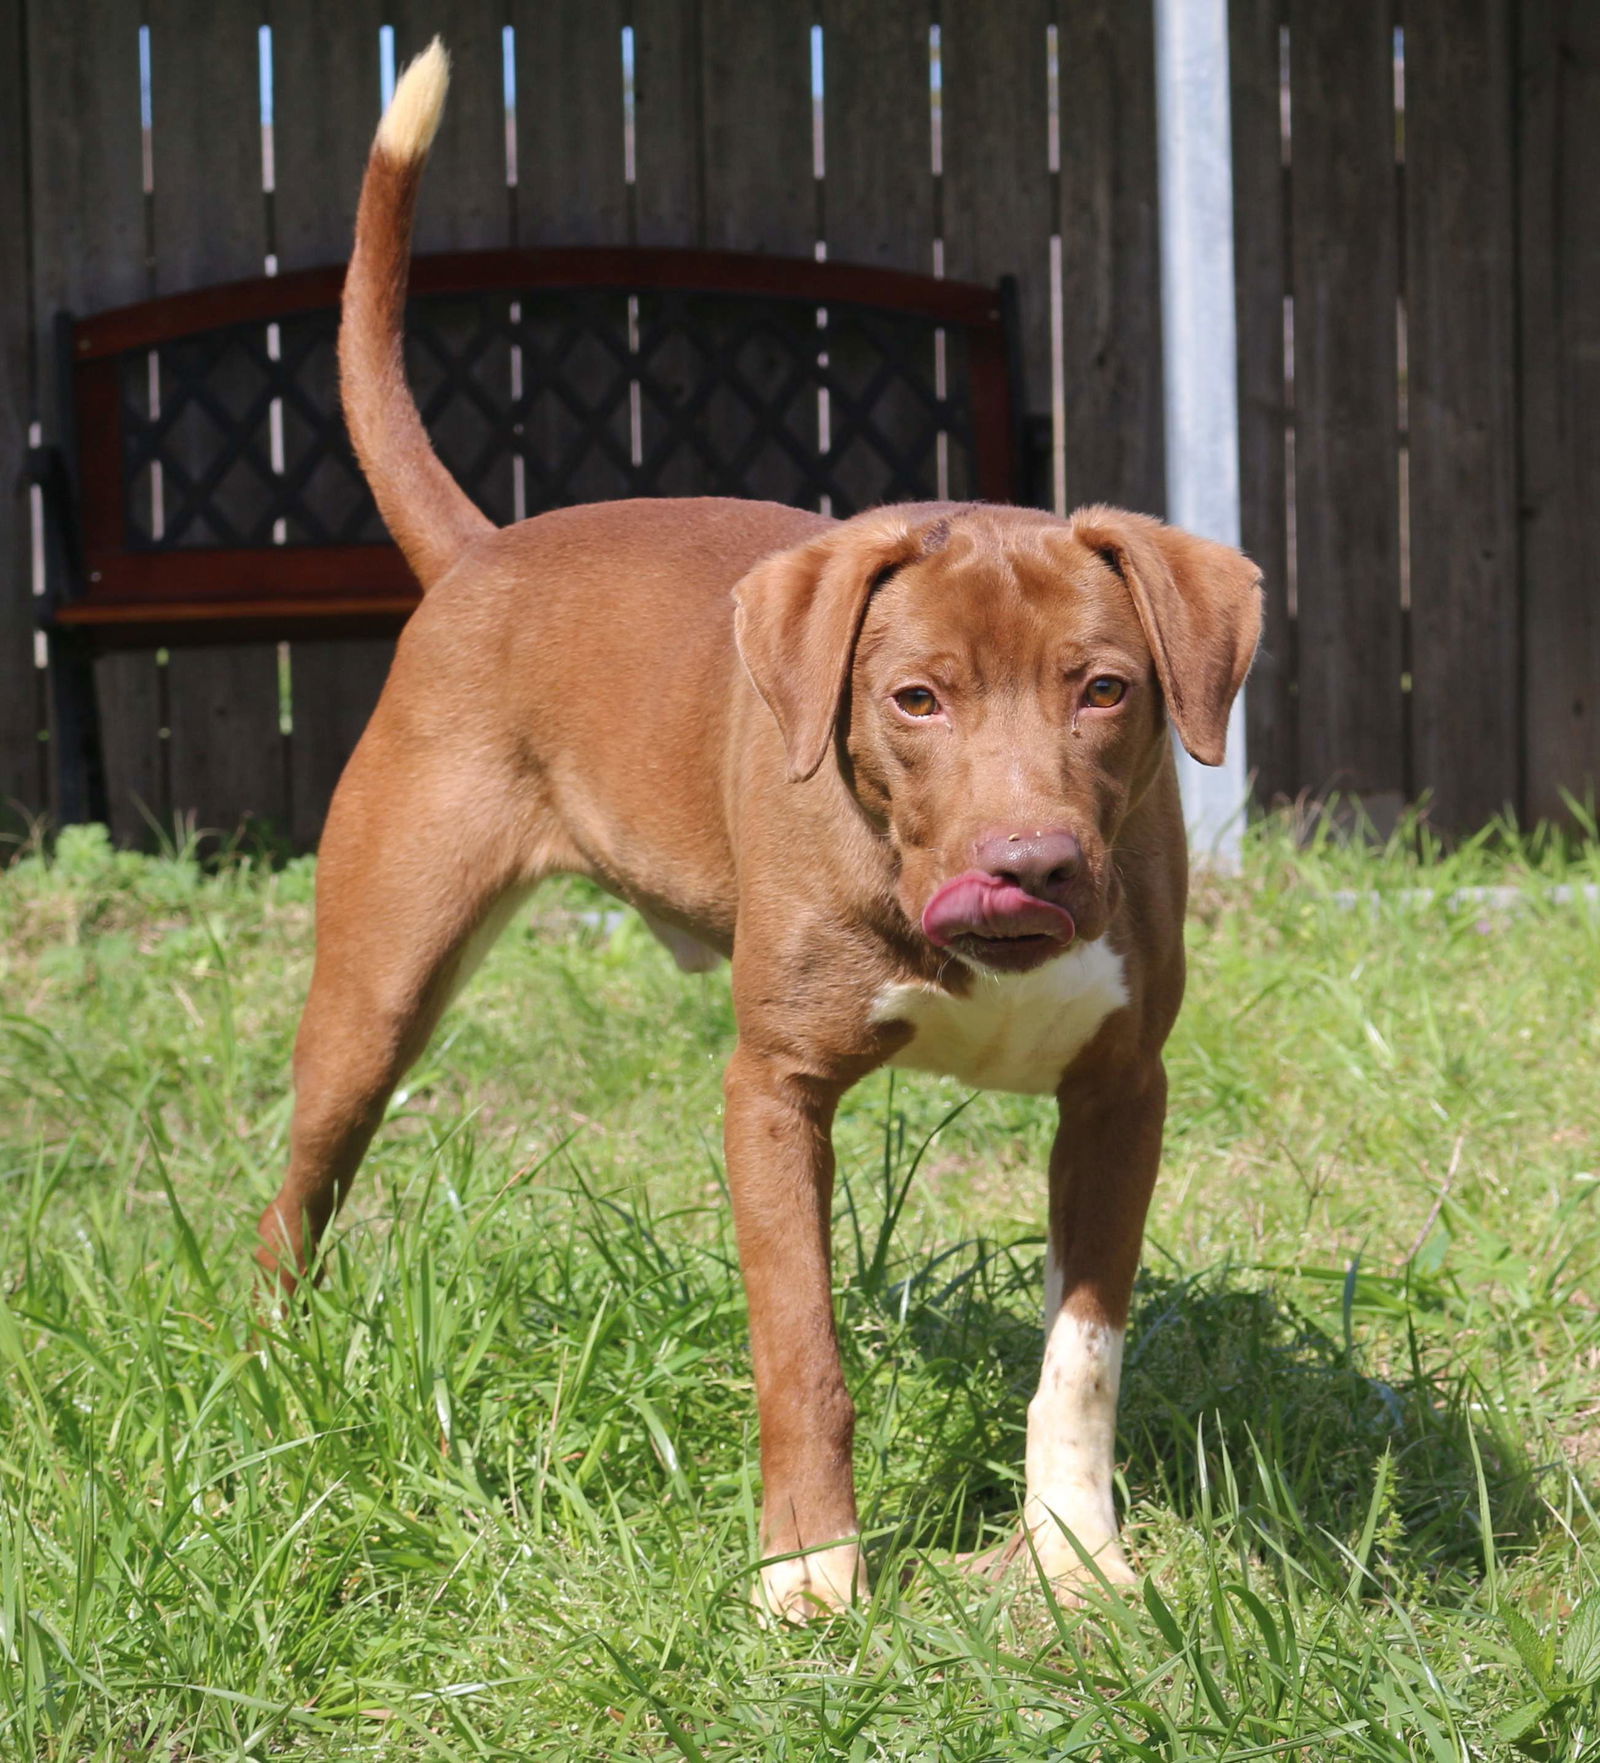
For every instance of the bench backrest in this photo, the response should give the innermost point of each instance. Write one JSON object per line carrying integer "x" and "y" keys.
{"x": 214, "y": 483}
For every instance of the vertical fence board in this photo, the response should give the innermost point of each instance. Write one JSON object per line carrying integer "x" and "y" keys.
{"x": 138, "y": 785}
{"x": 1559, "y": 172}
{"x": 326, "y": 102}
{"x": 88, "y": 253}
{"x": 1343, "y": 258}
{"x": 667, "y": 203}
{"x": 88, "y": 202}
{"x": 570, "y": 183}
{"x": 464, "y": 204}
{"x": 879, "y": 185}
{"x": 669, "y": 196}
{"x": 334, "y": 689}
{"x": 572, "y": 190}
{"x": 756, "y": 113}
{"x": 209, "y": 212}
{"x": 877, "y": 202}
{"x": 760, "y": 193}
{"x": 1111, "y": 254}
{"x": 24, "y": 788}
{"x": 997, "y": 217}
{"x": 1258, "y": 249}
{"x": 227, "y": 753}
{"x": 1461, "y": 365}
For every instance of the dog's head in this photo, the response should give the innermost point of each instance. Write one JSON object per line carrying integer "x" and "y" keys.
{"x": 994, "y": 684}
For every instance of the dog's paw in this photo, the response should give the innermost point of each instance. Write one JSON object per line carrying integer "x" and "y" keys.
{"x": 1053, "y": 1558}
{"x": 812, "y": 1587}
{"x": 1072, "y": 1581}
{"x": 278, "y": 1278}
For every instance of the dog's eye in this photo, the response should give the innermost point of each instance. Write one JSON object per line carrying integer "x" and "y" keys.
{"x": 917, "y": 701}
{"x": 1104, "y": 692}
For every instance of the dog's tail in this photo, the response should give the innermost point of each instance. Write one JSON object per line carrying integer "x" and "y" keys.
{"x": 429, "y": 514}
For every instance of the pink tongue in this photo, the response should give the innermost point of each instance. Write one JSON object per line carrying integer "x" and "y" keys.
{"x": 981, "y": 905}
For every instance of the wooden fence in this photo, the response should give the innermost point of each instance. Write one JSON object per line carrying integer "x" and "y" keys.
{"x": 1418, "y": 248}
{"x": 1419, "y": 301}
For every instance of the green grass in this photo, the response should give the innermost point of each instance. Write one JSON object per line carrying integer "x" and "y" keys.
{"x": 494, "y": 1494}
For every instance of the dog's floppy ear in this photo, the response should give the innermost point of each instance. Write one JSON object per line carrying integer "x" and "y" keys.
{"x": 1200, "y": 605}
{"x": 796, "y": 620}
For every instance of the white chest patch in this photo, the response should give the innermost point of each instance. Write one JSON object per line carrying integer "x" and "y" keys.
{"x": 1012, "y": 1031}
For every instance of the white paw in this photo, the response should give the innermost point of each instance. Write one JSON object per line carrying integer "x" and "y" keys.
{"x": 1066, "y": 1569}
{"x": 806, "y": 1587}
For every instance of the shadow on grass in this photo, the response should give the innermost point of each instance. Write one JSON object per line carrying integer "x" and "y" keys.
{"x": 1234, "y": 1378}
{"x": 1260, "y": 1425}
{"x": 1237, "y": 1408}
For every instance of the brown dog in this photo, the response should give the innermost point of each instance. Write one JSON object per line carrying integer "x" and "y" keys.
{"x": 911, "y": 771}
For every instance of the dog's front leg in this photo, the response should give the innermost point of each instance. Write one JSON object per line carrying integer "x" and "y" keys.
{"x": 778, "y": 1134}
{"x": 1102, "y": 1170}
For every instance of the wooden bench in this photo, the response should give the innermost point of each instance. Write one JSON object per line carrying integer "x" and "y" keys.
{"x": 208, "y": 492}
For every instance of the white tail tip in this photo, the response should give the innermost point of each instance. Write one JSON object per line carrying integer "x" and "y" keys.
{"x": 412, "y": 119}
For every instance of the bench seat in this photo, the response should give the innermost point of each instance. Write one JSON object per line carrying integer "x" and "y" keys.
{"x": 205, "y": 490}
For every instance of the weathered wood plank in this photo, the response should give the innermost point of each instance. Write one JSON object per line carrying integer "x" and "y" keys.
{"x": 1461, "y": 353}
{"x": 334, "y": 688}
{"x": 88, "y": 199}
{"x": 209, "y": 225}
{"x": 24, "y": 785}
{"x": 1259, "y": 244}
{"x": 465, "y": 204}
{"x": 326, "y": 102}
{"x": 1110, "y": 249}
{"x": 1345, "y": 281}
{"x": 1558, "y": 109}
{"x": 89, "y": 253}
{"x": 756, "y": 112}
{"x": 135, "y": 743}
{"x": 209, "y": 213}
{"x": 571, "y": 188}
{"x": 997, "y": 188}
{"x": 878, "y": 208}
{"x": 229, "y": 762}
{"x": 669, "y": 196}
{"x": 760, "y": 195}
{"x": 667, "y": 201}
{"x": 879, "y": 186}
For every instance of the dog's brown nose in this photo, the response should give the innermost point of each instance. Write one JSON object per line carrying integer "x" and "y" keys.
{"x": 1040, "y": 863}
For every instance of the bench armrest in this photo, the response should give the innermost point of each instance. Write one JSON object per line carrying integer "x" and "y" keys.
{"x": 45, "y": 469}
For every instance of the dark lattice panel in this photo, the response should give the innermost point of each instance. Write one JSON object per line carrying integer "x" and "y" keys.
{"x": 546, "y": 398}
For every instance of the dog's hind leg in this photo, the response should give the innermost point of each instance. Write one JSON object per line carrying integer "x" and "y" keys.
{"x": 418, "y": 872}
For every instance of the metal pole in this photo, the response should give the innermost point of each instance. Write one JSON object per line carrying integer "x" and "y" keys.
{"x": 1199, "y": 347}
